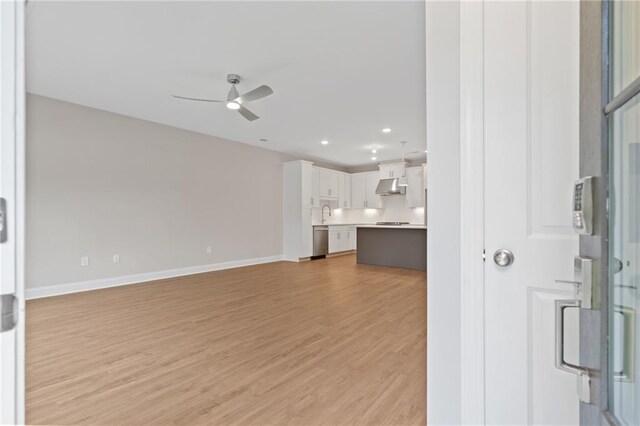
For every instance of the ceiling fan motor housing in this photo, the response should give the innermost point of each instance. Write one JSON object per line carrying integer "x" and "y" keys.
{"x": 233, "y": 78}
{"x": 233, "y": 93}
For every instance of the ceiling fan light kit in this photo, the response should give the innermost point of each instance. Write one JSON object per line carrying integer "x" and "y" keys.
{"x": 234, "y": 100}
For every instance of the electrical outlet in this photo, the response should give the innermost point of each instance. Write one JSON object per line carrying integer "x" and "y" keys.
{"x": 209, "y": 250}
{"x": 116, "y": 258}
{"x": 84, "y": 261}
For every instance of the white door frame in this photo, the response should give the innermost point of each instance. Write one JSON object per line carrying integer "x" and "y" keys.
{"x": 472, "y": 212}
{"x": 12, "y": 116}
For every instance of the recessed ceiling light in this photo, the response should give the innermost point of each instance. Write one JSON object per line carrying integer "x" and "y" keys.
{"x": 374, "y": 158}
{"x": 386, "y": 130}
{"x": 425, "y": 151}
{"x": 324, "y": 142}
{"x": 263, "y": 140}
{"x": 373, "y": 151}
{"x": 233, "y": 105}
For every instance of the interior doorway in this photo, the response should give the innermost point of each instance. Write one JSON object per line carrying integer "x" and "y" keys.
{"x": 210, "y": 211}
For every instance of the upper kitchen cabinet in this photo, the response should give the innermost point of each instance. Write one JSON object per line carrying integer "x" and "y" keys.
{"x": 359, "y": 190}
{"x": 315, "y": 187}
{"x": 344, "y": 191}
{"x": 329, "y": 183}
{"x": 391, "y": 170}
{"x": 415, "y": 188}
{"x": 374, "y": 201}
{"x": 332, "y": 185}
{"x": 363, "y": 190}
{"x": 424, "y": 175}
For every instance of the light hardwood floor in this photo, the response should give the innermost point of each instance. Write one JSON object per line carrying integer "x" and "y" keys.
{"x": 322, "y": 342}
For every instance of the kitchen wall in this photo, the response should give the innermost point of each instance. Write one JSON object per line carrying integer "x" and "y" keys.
{"x": 100, "y": 184}
{"x": 393, "y": 210}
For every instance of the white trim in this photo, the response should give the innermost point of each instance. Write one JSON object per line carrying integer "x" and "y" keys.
{"x": 59, "y": 289}
{"x": 12, "y": 93}
{"x": 20, "y": 211}
{"x": 472, "y": 375}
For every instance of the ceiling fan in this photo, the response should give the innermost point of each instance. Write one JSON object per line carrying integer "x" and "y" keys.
{"x": 235, "y": 101}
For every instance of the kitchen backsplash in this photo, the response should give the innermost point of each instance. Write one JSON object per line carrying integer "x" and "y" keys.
{"x": 393, "y": 210}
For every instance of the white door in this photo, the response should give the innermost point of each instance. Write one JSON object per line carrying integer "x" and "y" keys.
{"x": 12, "y": 194}
{"x": 531, "y": 107}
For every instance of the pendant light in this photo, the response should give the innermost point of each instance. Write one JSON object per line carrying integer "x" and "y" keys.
{"x": 403, "y": 180}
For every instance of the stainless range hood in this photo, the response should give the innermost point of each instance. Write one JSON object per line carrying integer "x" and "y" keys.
{"x": 390, "y": 187}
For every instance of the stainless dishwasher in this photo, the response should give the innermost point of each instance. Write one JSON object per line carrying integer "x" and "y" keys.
{"x": 320, "y": 241}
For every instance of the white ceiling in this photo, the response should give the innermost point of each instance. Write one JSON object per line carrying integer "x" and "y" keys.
{"x": 340, "y": 71}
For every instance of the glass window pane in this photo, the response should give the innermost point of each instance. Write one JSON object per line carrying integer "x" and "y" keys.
{"x": 624, "y": 303}
{"x": 625, "y": 44}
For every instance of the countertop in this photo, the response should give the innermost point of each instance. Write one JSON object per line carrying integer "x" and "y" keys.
{"x": 393, "y": 226}
{"x": 373, "y": 225}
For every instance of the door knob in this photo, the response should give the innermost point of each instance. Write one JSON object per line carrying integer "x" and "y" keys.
{"x": 503, "y": 258}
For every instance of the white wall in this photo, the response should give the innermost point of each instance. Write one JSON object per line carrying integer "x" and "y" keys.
{"x": 443, "y": 207}
{"x": 100, "y": 184}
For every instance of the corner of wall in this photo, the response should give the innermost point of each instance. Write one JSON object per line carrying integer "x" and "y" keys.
{"x": 443, "y": 211}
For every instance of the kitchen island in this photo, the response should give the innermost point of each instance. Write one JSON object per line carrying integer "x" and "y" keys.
{"x": 400, "y": 246}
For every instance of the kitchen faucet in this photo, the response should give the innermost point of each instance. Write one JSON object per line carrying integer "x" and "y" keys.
{"x": 326, "y": 205}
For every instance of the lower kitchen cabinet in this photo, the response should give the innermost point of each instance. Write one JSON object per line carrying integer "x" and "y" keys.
{"x": 351, "y": 238}
{"x": 342, "y": 238}
{"x": 337, "y": 240}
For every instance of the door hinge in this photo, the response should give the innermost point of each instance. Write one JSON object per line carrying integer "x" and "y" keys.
{"x": 8, "y": 312}
{"x": 484, "y": 255}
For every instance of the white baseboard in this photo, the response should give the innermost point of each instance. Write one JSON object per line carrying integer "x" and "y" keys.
{"x": 59, "y": 289}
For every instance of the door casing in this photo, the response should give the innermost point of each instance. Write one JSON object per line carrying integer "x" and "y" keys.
{"x": 13, "y": 163}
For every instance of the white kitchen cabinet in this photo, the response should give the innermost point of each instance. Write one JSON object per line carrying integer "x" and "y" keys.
{"x": 338, "y": 239}
{"x": 373, "y": 201}
{"x": 315, "y": 187}
{"x": 424, "y": 175}
{"x": 329, "y": 183}
{"x": 392, "y": 170}
{"x": 297, "y": 228}
{"x": 351, "y": 237}
{"x": 344, "y": 191}
{"x": 342, "y": 238}
{"x": 415, "y": 188}
{"x": 363, "y": 190}
{"x": 334, "y": 242}
{"x": 359, "y": 190}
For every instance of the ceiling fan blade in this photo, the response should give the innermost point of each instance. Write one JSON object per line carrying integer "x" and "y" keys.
{"x": 255, "y": 94}
{"x": 247, "y": 114}
{"x": 195, "y": 99}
